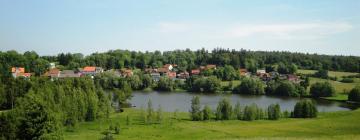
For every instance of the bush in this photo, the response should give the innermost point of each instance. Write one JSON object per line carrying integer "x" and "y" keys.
{"x": 347, "y": 80}
{"x": 206, "y": 113}
{"x": 305, "y": 109}
{"x": 224, "y": 110}
{"x": 322, "y": 90}
{"x": 251, "y": 112}
{"x": 322, "y": 74}
{"x": 274, "y": 112}
{"x": 354, "y": 94}
{"x": 195, "y": 112}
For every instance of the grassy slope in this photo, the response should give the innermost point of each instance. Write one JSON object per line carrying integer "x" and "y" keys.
{"x": 339, "y": 86}
{"x": 336, "y": 125}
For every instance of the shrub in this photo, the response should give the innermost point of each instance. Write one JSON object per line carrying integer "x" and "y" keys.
{"x": 305, "y": 109}
{"x": 322, "y": 90}
{"x": 354, "y": 94}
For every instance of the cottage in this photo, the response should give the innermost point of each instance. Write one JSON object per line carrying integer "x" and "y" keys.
{"x": 53, "y": 73}
{"x": 19, "y": 72}
{"x": 183, "y": 75}
{"x": 155, "y": 76}
{"x": 292, "y": 78}
{"x": 171, "y": 75}
{"x": 168, "y": 66}
{"x": 162, "y": 70}
{"x": 92, "y": 70}
{"x": 195, "y": 72}
{"x": 210, "y": 66}
{"x": 127, "y": 73}
{"x": 264, "y": 76}
{"x": 68, "y": 74}
{"x": 258, "y": 72}
{"x": 244, "y": 72}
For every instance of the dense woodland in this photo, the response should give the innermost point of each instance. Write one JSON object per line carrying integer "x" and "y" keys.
{"x": 185, "y": 59}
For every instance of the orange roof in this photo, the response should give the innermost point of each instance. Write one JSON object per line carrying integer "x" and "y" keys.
{"x": 17, "y": 69}
{"x": 89, "y": 69}
{"x": 195, "y": 71}
{"x": 54, "y": 71}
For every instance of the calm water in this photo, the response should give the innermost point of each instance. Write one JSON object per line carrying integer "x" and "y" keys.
{"x": 181, "y": 101}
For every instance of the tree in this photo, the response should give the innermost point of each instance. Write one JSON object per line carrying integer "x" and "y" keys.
{"x": 322, "y": 73}
{"x": 324, "y": 89}
{"x": 250, "y": 86}
{"x": 206, "y": 112}
{"x": 159, "y": 115}
{"x": 224, "y": 110}
{"x": 286, "y": 89}
{"x": 237, "y": 111}
{"x": 274, "y": 112}
{"x": 305, "y": 109}
{"x": 150, "y": 112}
{"x": 195, "y": 112}
{"x": 354, "y": 94}
{"x": 250, "y": 112}
{"x": 165, "y": 84}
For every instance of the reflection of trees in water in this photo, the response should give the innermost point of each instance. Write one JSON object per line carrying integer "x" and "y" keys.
{"x": 351, "y": 106}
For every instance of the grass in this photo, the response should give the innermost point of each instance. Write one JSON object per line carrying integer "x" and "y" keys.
{"x": 335, "y": 125}
{"x": 226, "y": 83}
{"x": 331, "y": 73}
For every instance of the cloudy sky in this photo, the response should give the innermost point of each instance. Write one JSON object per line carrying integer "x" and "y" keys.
{"x": 53, "y": 26}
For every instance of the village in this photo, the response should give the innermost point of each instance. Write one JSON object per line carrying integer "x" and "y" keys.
{"x": 168, "y": 70}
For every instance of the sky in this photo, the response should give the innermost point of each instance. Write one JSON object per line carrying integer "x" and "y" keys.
{"x": 50, "y": 27}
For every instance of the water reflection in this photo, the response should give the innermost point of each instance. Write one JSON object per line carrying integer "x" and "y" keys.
{"x": 171, "y": 101}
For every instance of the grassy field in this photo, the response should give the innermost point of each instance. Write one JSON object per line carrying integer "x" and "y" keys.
{"x": 226, "y": 83}
{"x": 331, "y": 73}
{"x": 340, "y": 88}
{"x": 336, "y": 125}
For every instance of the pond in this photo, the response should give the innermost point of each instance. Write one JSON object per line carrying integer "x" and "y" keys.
{"x": 181, "y": 101}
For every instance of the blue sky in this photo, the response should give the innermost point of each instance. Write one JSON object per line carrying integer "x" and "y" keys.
{"x": 53, "y": 26}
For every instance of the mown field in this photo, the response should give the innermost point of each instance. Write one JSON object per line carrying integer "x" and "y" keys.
{"x": 340, "y": 88}
{"x": 336, "y": 125}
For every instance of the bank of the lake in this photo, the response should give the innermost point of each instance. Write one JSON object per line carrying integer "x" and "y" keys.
{"x": 329, "y": 125}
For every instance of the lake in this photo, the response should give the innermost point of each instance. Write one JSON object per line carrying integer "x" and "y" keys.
{"x": 181, "y": 101}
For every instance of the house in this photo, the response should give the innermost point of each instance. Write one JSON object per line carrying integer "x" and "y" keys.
{"x": 162, "y": 70}
{"x": 89, "y": 70}
{"x": 210, "y": 67}
{"x": 171, "y": 75}
{"x": 52, "y": 66}
{"x": 53, "y": 73}
{"x": 244, "y": 72}
{"x": 19, "y": 72}
{"x": 264, "y": 76}
{"x": 68, "y": 74}
{"x": 195, "y": 72}
{"x": 155, "y": 76}
{"x": 127, "y": 72}
{"x": 274, "y": 74}
{"x": 292, "y": 78}
{"x": 183, "y": 75}
{"x": 258, "y": 72}
{"x": 168, "y": 66}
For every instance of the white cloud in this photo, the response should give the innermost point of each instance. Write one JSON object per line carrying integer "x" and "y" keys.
{"x": 288, "y": 31}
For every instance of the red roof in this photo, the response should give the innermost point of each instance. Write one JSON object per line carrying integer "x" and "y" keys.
{"x": 89, "y": 69}
{"x": 171, "y": 74}
{"x": 195, "y": 71}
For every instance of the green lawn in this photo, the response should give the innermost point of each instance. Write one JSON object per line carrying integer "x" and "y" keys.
{"x": 331, "y": 73}
{"x": 336, "y": 125}
{"x": 226, "y": 83}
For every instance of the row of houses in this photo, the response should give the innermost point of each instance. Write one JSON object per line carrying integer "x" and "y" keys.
{"x": 268, "y": 76}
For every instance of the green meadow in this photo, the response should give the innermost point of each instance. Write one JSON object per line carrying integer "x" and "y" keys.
{"x": 335, "y": 125}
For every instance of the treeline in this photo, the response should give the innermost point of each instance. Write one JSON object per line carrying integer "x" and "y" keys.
{"x": 46, "y": 107}
{"x": 185, "y": 59}
{"x": 225, "y": 111}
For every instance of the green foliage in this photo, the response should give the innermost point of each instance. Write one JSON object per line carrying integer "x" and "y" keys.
{"x": 286, "y": 68}
{"x": 322, "y": 73}
{"x": 159, "y": 115}
{"x": 206, "y": 113}
{"x": 165, "y": 84}
{"x": 238, "y": 111}
{"x": 250, "y": 86}
{"x": 224, "y": 110}
{"x": 354, "y": 94}
{"x": 305, "y": 109}
{"x": 251, "y": 112}
{"x": 206, "y": 84}
{"x": 195, "y": 111}
{"x": 347, "y": 80}
{"x": 324, "y": 89}
{"x": 227, "y": 73}
{"x": 285, "y": 88}
{"x": 150, "y": 113}
{"x": 274, "y": 112}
